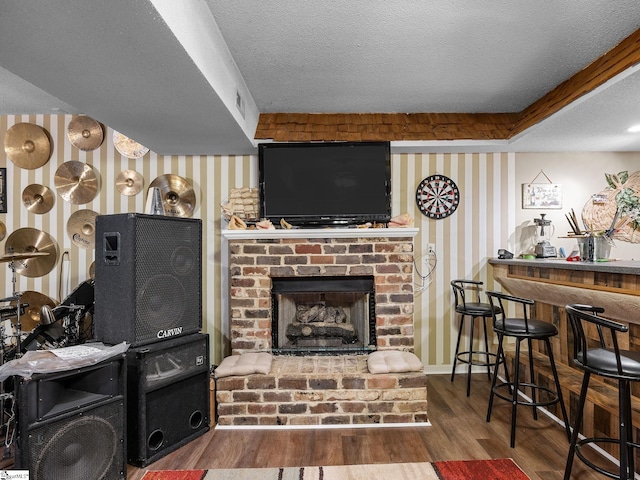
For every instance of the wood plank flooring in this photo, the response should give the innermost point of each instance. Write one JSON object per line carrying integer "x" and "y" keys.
{"x": 458, "y": 431}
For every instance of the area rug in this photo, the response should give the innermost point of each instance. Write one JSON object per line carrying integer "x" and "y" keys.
{"x": 500, "y": 469}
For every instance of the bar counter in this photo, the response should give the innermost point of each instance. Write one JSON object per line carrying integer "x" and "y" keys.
{"x": 555, "y": 283}
{"x": 631, "y": 267}
{"x": 613, "y": 285}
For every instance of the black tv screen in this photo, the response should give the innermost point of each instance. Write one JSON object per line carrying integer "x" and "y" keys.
{"x": 325, "y": 184}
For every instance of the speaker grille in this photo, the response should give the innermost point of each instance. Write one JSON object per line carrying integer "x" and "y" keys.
{"x": 148, "y": 278}
{"x": 188, "y": 402}
{"x": 87, "y": 447}
{"x": 162, "y": 303}
{"x": 168, "y": 361}
{"x": 168, "y": 276}
{"x": 167, "y": 396}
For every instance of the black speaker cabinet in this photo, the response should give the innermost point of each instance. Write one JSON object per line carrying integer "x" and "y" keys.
{"x": 168, "y": 396}
{"x": 71, "y": 424}
{"x": 148, "y": 278}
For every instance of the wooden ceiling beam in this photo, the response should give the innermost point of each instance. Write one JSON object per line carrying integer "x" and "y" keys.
{"x": 307, "y": 127}
{"x": 623, "y": 56}
{"x": 295, "y": 127}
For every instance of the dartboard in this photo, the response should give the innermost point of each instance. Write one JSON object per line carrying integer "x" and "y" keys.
{"x": 437, "y": 196}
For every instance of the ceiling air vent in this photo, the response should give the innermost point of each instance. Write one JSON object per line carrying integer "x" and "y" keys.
{"x": 240, "y": 103}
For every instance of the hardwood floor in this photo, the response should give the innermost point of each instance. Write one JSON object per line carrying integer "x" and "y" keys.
{"x": 458, "y": 431}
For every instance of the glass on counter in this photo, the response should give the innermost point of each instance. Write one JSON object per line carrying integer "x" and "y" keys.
{"x": 594, "y": 248}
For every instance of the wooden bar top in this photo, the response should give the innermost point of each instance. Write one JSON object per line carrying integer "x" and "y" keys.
{"x": 614, "y": 285}
{"x": 630, "y": 267}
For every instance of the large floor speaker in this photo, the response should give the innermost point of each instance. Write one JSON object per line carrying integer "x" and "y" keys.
{"x": 148, "y": 278}
{"x": 71, "y": 425}
{"x": 168, "y": 396}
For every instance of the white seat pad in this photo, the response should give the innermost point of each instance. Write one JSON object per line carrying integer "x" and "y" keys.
{"x": 244, "y": 364}
{"x": 393, "y": 361}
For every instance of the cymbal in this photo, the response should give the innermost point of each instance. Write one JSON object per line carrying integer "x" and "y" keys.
{"x": 128, "y": 147}
{"x": 40, "y": 246}
{"x": 31, "y": 317}
{"x": 76, "y": 182}
{"x": 37, "y": 198}
{"x": 8, "y": 257}
{"x": 129, "y": 182}
{"x": 27, "y": 145}
{"x": 81, "y": 228}
{"x": 3, "y": 230}
{"x": 85, "y": 133}
{"x": 178, "y": 197}
{"x": 92, "y": 270}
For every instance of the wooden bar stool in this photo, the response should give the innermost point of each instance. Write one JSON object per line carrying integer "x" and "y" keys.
{"x": 473, "y": 309}
{"x": 522, "y": 328}
{"x": 606, "y": 360}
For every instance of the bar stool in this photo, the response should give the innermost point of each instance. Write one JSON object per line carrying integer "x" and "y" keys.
{"x": 522, "y": 328}
{"x": 474, "y": 309}
{"x": 609, "y": 362}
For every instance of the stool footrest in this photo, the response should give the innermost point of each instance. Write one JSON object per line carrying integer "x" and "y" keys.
{"x": 603, "y": 394}
{"x": 538, "y": 388}
{"x": 589, "y": 463}
{"x": 477, "y": 362}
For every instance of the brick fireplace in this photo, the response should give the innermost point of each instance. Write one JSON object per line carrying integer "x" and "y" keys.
{"x": 321, "y": 387}
{"x": 257, "y": 257}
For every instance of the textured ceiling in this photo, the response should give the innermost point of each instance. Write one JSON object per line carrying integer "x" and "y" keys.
{"x": 192, "y": 77}
{"x": 415, "y": 56}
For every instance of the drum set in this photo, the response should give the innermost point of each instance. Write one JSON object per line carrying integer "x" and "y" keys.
{"x": 34, "y": 321}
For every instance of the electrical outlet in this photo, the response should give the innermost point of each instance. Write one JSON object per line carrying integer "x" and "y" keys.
{"x": 431, "y": 248}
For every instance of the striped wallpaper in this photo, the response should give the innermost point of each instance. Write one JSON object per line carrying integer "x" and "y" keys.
{"x": 464, "y": 241}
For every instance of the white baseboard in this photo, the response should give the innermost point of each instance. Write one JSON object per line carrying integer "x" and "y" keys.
{"x": 314, "y": 427}
{"x": 446, "y": 369}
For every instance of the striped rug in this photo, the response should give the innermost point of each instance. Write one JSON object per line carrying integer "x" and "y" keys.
{"x": 500, "y": 469}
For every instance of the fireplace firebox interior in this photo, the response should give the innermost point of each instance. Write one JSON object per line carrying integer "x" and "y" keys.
{"x": 323, "y": 315}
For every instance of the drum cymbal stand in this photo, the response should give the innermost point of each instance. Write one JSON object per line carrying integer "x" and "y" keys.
{"x": 16, "y": 296}
{"x": 7, "y": 397}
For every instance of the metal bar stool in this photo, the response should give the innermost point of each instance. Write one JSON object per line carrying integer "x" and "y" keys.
{"x": 522, "y": 328}
{"x": 606, "y": 360}
{"x": 474, "y": 309}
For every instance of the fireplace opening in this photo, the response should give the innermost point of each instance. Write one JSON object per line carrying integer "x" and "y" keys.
{"x": 323, "y": 315}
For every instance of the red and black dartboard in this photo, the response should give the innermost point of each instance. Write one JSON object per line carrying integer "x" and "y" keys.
{"x": 437, "y": 196}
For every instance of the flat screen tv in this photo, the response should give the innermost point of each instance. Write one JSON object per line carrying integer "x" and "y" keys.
{"x": 325, "y": 184}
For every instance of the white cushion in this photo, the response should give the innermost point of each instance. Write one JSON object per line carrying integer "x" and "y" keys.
{"x": 393, "y": 361}
{"x": 244, "y": 364}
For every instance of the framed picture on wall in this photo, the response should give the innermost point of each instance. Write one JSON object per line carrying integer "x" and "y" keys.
{"x": 3, "y": 190}
{"x": 542, "y": 195}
